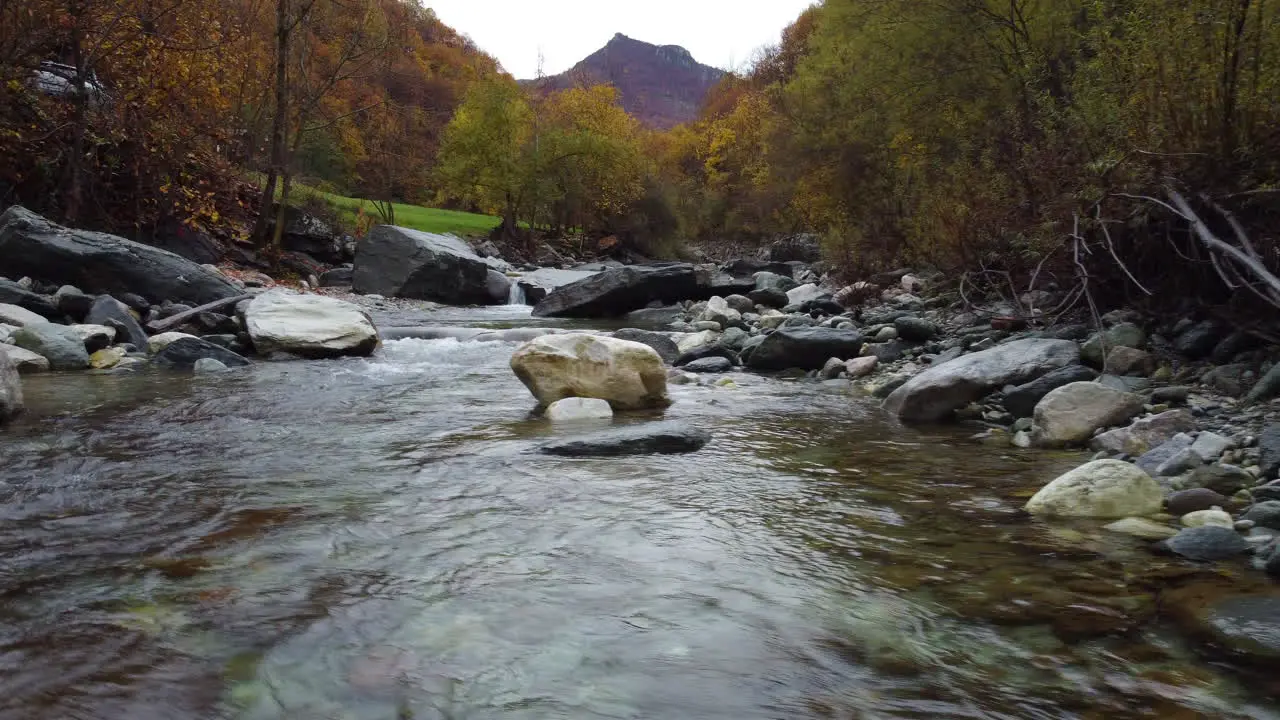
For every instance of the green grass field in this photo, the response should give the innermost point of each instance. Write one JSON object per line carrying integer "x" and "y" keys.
{"x": 415, "y": 217}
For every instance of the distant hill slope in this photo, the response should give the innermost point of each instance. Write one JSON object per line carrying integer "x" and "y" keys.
{"x": 660, "y": 85}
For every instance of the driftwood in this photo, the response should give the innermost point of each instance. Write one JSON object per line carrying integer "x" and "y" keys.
{"x": 158, "y": 326}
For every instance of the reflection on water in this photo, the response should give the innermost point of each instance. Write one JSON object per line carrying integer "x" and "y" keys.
{"x": 373, "y": 539}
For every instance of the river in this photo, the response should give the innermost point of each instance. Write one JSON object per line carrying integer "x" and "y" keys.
{"x": 374, "y": 539}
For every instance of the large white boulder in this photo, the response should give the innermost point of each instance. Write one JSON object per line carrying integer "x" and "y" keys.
{"x": 1100, "y": 489}
{"x": 1070, "y": 414}
{"x": 628, "y": 375}
{"x": 311, "y": 326}
{"x": 10, "y": 389}
{"x": 935, "y": 393}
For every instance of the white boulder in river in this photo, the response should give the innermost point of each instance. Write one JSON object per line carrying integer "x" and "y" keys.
{"x": 312, "y": 326}
{"x": 10, "y": 389}
{"x": 1100, "y": 489}
{"x": 937, "y": 392}
{"x": 628, "y": 375}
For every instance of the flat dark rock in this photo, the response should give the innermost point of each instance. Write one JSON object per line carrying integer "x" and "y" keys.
{"x": 665, "y": 438}
{"x": 182, "y": 354}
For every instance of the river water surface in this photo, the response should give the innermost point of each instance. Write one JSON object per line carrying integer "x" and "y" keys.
{"x": 374, "y": 539}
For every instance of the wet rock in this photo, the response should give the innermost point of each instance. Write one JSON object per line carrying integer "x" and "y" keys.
{"x": 108, "y": 311}
{"x": 1199, "y": 340}
{"x": 1264, "y": 514}
{"x": 713, "y": 364}
{"x": 734, "y": 338}
{"x": 1142, "y": 528}
{"x": 661, "y": 344}
{"x": 628, "y": 375}
{"x": 99, "y": 263}
{"x": 1146, "y": 433}
{"x": 741, "y": 303}
{"x": 1207, "y": 543}
{"x": 183, "y": 353}
{"x": 156, "y": 343}
{"x": 695, "y": 341}
{"x": 11, "y": 400}
{"x": 310, "y": 326}
{"x": 937, "y": 392}
{"x": 18, "y": 316}
{"x": 12, "y": 293}
{"x": 1099, "y": 489}
{"x": 1242, "y": 623}
{"x": 1125, "y": 334}
{"x": 573, "y": 409}
{"x": 1124, "y": 383}
{"x": 646, "y": 438}
{"x": 832, "y": 370}
{"x": 719, "y": 312}
{"x": 106, "y": 358}
{"x": 1070, "y": 414}
{"x": 1222, "y": 479}
{"x": 58, "y": 344}
{"x": 25, "y": 361}
{"x": 1212, "y": 516}
{"x": 1021, "y": 401}
{"x": 914, "y": 329}
{"x": 714, "y": 350}
{"x": 769, "y": 297}
{"x": 1183, "y": 461}
{"x": 1188, "y": 501}
{"x": 805, "y": 348}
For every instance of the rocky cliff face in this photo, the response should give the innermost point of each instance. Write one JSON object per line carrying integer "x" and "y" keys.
{"x": 660, "y": 85}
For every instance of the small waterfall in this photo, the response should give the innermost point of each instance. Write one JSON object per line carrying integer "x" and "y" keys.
{"x": 516, "y": 295}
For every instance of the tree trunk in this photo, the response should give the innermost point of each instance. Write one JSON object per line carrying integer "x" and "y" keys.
{"x": 276, "y": 166}
{"x": 73, "y": 189}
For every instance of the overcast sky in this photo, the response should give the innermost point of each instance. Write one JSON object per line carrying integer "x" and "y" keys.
{"x": 723, "y": 33}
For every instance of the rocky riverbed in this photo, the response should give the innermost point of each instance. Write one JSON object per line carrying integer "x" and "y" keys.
{"x": 1172, "y": 441}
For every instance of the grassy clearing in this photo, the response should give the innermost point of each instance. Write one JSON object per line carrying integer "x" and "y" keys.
{"x": 415, "y": 217}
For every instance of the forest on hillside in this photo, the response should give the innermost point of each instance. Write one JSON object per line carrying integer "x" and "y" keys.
{"x": 1106, "y": 144}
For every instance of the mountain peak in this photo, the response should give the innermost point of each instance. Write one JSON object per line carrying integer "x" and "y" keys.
{"x": 660, "y": 85}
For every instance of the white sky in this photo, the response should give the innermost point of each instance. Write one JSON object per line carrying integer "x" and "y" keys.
{"x": 723, "y": 33}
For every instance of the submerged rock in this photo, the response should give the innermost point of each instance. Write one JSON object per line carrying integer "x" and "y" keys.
{"x": 11, "y": 401}
{"x": 935, "y": 393}
{"x": 1099, "y": 489}
{"x": 647, "y": 438}
{"x": 628, "y": 375}
{"x": 1142, "y": 528}
{"x": 570, "y": 409}
{"x": 311, "y": 326}
{"x": 713, "y": 364}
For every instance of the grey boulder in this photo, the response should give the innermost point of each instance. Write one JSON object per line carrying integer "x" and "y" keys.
{"x": 665, "y": 438}
{"x": 807, "y": 348}
{"x": 59, "y": 344}
{"x": 935, "y": 393}
{"x": 1207, "y": 542}
{"x": 661, "y": 344}
{"x": 399, "y": 262}
{"x": 101, "y": 263}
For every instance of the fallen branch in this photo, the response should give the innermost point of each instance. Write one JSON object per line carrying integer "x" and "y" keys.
{"x": 158, "y": 326}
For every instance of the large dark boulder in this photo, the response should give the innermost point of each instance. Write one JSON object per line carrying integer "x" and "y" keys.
{"x": 11, "y": 293}
{"x": 398, "y": 262}
{"x": 807, "y": 348}
{"x": 1021, "y": 401}
{"x": 99, "y": 263}
{"x": 618, "y": 291}
{"x": 182, "y": 354}
{"x": 305, "y": 233}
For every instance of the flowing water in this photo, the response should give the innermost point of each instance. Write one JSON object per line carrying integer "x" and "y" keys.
{"x": 374, "y": 539}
